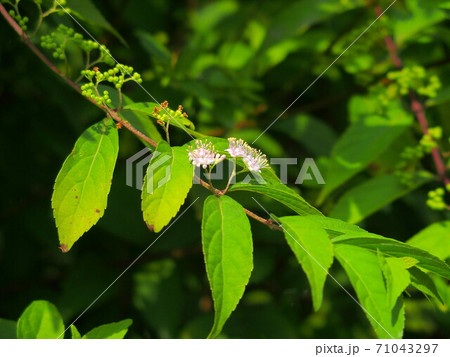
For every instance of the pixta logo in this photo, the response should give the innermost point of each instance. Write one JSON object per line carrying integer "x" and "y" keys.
{"x": 158, "y": 173}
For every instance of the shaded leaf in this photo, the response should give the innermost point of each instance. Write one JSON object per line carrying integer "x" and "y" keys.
{"x": 396, "y": 276}
{"x": 360, "y": 144}
{"x": 8, "y": 329}
{"x": 158, "y": 296}
{"x": 87, "y": 11}
{"x": 363, "y": 200}
{"x": 228, "y": 248}
{"x": 422, "y": 282}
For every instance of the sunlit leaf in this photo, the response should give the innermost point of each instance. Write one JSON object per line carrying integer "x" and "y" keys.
{"x": 40, "y": 319}
{"x": 115, "y": 330}
{"x": 166, "y": 185}
{"x": 435, "y": 239}
{"x": 81, "y": 189}
{"x": 364, "y": 272}
{"x": 228, "y": 248}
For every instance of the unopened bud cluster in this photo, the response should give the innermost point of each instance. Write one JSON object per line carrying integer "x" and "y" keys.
{"x": 436, "y": 199}
{"x": 115, "y": 75}
{"x": 163, "y": 113}
{"x": 415, "y": 78}
{"x": 22, "y": 21}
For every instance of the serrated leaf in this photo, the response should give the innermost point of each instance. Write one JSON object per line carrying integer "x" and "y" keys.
{"x": 392, "y": 247}
{"x": 41, "y": 319}
{"x": 313, "y": 250}
{"x": 396, "y": 277}
{"x": 435, "y": 239}
{"x": 280, "y": 193}
{"x": 81, "y": 188}
{"x": 363, "y": 200}
{"x": 228, "y": 249}
{"x": 365, "y": 275}
{"x": 87, "y": 11}
{"x": 74, "y": 332}
{"x": 422, "y": 282}
{"x": 166, "y": 185}
{"x": 115, "y": 330}
{"x": 360, "y": 144}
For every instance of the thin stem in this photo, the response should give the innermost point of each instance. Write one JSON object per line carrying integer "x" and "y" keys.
{"x": 233, "y": 175}
{"x": 416, "y": 106}
{"x": 111, "y": 113}
{"x": 119, "y": 107}
{"x": 166, "y": 129}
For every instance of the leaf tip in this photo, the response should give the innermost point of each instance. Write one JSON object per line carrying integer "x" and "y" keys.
{"x": 64, "y": 248}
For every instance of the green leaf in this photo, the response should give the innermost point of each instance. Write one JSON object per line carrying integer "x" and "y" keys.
{"x": 397, "y": 249}
{"x": 363, "y": 200}
{"x": 335, "y": 227}
{"x": 396, "y": 276}
{"x": 360, "y": 144}
{"x": 81, "y": 189}
{"x": 115, "y": 330}
{"x": 166, "y": 185}
{"x": 422, "y": 282}
{"x": 364, "y": 272}
{"x": 146, "y": 108}
{"x": 313, "y": 250}
{"x": 41, "y": 319}
{"x": 74, "y": 332}
{"x": 8, "y": 329}
{"x": 139, "y": 121}
{"x": 280, "y": 193}
{"x": 435, "y": 239}
{"x": 228, "y": 248}
{"x": 87, "y": 11}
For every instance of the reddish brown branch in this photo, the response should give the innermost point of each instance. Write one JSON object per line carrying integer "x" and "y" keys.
{"x": 416, "y": 106}
{"x": 113, "y": 114}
